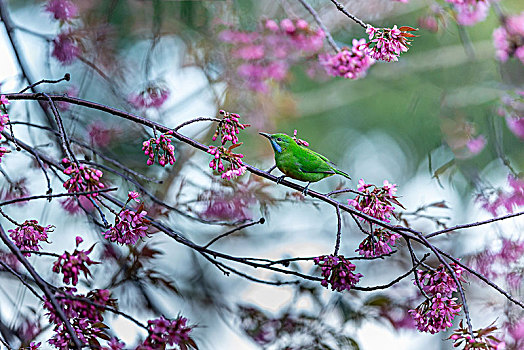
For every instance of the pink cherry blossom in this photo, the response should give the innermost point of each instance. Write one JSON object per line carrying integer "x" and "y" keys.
{"x": 153, "y": 96}
{"x": 82, "y": 178}
{"x": 28, "y": 235}
{"x": 350, "y": 63}
{"x": 472, "y": 12}
{"x": 160, "y": 149}
{"x": 378, "y": 244}
{"x": 375, "y": 201}
{"x": 267, "y": 53}
{"x": 337, "y": 272}
{"x": 129, "y": 226}
{"x": 164, "y": 332}
{"x": 71, "y": 265}
{"x": 476, "y": 145}
{"x": 509, "y": 38}
{"x": 229, "y": 127}
{"x": 62, "y": 10}
{"x": 236, "y": 166}
{"x": 387, "y": 44}
{"x": 65, "y": 48}
{"x": 435, "y": 314}
{"x": 3, "y": 100}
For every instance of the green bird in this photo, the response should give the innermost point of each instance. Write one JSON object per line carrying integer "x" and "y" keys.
{"x": 299, "y": 162}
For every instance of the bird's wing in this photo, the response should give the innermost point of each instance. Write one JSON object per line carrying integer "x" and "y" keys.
{"x": 324, "y": 158}
{"x": 315, "y": 163}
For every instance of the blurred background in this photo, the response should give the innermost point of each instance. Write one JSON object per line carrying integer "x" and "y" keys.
{"x": 440, "y": 124}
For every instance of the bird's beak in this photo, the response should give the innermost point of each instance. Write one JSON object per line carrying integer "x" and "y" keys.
{"x": 265, "y": 135}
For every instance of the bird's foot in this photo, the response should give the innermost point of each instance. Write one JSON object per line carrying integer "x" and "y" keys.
{"x": 305, "y": 190}
{"x": 279, "y": 179}
{"x": 271, "y": 169}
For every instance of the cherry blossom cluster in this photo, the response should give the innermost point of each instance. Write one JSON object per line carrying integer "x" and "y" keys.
{"x": 502, "y": 262}
{"x": 299, "y": 142}
{"x": 62, "y": 10}
{"x": 436, "y": 313}
{"x": 378, "y": 244}
{"x": 509, "y": 38}
{"x": 85, "y": 318}
{"x": 71, "y": 265}
{"x": 153, "y": 96}
{"x": 470, "y": 12}
{"x": 386, "y": 44}
{"x": 229, "y": 127}
{"x": 100, "y": 134}
{"x": 160, "y": 149}
{"x": 164, "y": 332}
{"x": 82, "y": 178}
{"x": 28, "y": 236}
{"x": 439, "y": 280}
{"x": 268, "y": 53}
{"x": 66, "y": 46}
{"x": 350, "y": 63}
{"x": 375, "y": 201}
{"x": 482, "y": 338}
{"x": 130, "y": 225}
{"x": 513, "y": 109}
{"x": 337, "y": 272}
{"x": 506, "y": 200}
{"x": 236, "y": 166}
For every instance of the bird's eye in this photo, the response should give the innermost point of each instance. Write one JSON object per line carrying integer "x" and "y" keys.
{"x": 279, "y": 139}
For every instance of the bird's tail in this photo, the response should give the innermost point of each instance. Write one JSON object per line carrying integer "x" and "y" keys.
{"x": 342, "y": 173}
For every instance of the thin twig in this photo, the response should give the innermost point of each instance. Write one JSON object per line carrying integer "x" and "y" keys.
{"x": 241, "y": 227}
{"x": 199, "y": 119}
{"x": 339, "y": 230}
{"x": 47, "y": 196}
{"x": 344, "y": 11}
{"x": 321, "y": 24}
{"x": 474, "y": 224}
{"x": 66, "y": 77}
{"x": 395, "y": 281}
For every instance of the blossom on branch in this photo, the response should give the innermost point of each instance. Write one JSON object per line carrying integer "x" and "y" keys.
{"x": 82, "y": 178}
{"x": 350, "y": 63}
{"x": 65, "y": 48}
{"x": 85, "y": 318}
{"x": 28, "y": 235}
{"x": 3, "y": 152}
{"x": 376, "y": 201}
{"x": 436, "y": 313}
{"x": 439, "y": 280}
{"x": 229, "y": 127}
{"x": 161, "y": 149}
{"x": 62, "y": 10}
{"x": 236, "y": 166}
{"x": 337, "y": 272}
{"x": 268, "y": 53}
{"x": 377, "y": 244}
{"x": 386, "y": 44}
{"x": 164, "y": 332}
{"x": 470, "y": 12}
{"x": 483, "y": 338}
{"x": 153, "y": 96}
{"x": 129, "y": 226}
{"x": 70, "y": 265}
{"x": 509, "y": 38}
